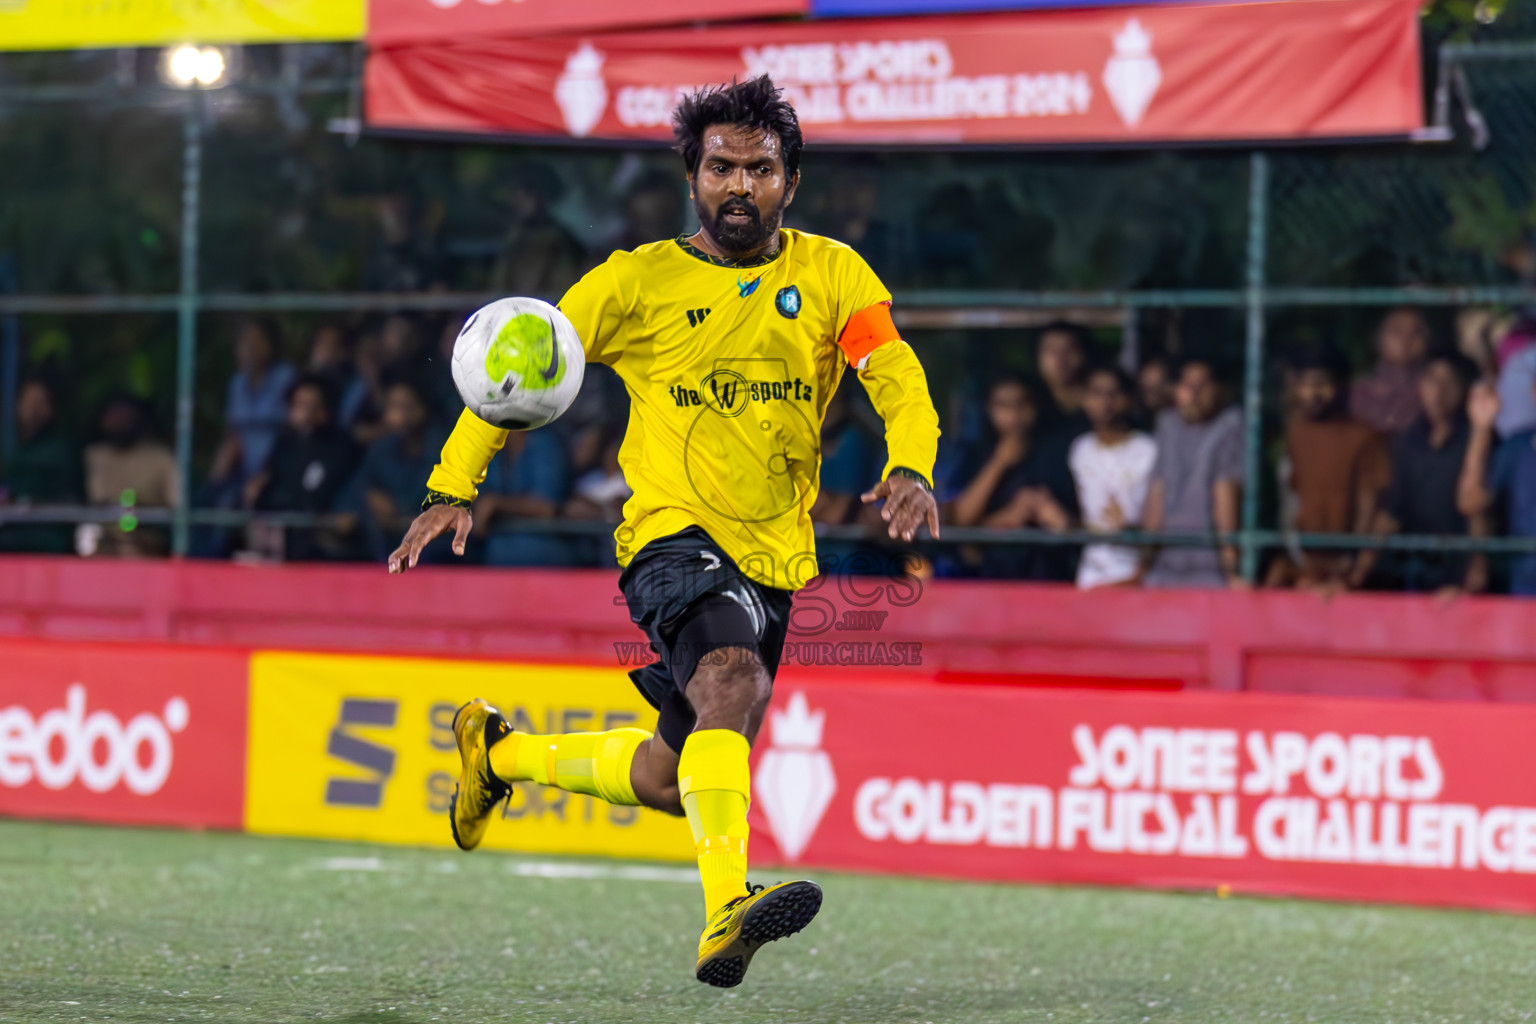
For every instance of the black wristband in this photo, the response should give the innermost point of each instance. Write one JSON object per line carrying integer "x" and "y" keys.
{"x": 439, "y": 498}
{"x": 911, "y": 474}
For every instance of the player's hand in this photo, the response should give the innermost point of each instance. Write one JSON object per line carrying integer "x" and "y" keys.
{"x": 908, "y": 504}
{"x": 435, "y": 521}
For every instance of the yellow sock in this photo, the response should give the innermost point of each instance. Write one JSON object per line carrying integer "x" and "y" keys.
{"x": 715, "y": 781}
{"x": 594, "y": 763}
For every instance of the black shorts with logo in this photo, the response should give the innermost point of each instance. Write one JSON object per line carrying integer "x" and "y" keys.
{"x": 690, "y": 599}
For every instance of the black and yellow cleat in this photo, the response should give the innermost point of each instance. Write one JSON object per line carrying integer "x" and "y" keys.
{"x": 476, "y": 726}
{"x": 738, "y": 929}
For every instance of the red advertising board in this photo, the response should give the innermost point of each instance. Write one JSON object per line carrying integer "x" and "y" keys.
{"x": 1397, "y": 801}
{"x": 397, "y": 22}
{"x": 1322, "y": 69}
{"x": 134, "y": 734}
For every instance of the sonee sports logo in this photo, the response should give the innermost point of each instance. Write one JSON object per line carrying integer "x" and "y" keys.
{"x": 98, "y": 749}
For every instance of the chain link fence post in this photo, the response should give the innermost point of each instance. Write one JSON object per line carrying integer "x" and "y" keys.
{"x": 186, "y": 317}
{"x": 1253, "y": 359}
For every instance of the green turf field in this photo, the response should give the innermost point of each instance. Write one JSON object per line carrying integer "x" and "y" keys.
{"x": 138, "y": 925}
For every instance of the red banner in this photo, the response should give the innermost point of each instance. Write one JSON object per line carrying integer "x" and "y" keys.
{"x": 1327, "y": 68}
{"x": 1400, "y": 801}
{"x": 136, "y": 734}
{"x": 400, "y": 22}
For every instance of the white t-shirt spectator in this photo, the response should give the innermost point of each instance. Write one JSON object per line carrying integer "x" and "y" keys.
{"x": 1104, "y": 474}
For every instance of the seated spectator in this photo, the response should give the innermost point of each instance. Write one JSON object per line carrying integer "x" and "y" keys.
{"x": 256, "y": 406}
{"x": 1154, "y": 389}
{"x": 1197, "y": 481}
{"x": 127, "y": 468}
{"x": 311, "y": 463}
{"x": 406, "y": 256}
{"x": 1339, "y": 468}
{"x": 1427, "y": 460}
{"x": 1012, "y": 479}
{"x": 530, "y": 478}
{"x": 389, "y": 485}
{"x": 847, "y": 471}
{"x": 1061, "y": 357}
{"x": 1112, "y": 467}
{"x": 1516, "y": 355}
{"x": 1508, "y": 485}
{"x": 44, "y": 470}
{"x": 1387, "y": 398}
{"x": 331, "y": 357}
{"x": 539, "y": 256}
{"x": 600, "y": 490}
{"x": 853, "y": 214}
{"x": 653, "y": 210}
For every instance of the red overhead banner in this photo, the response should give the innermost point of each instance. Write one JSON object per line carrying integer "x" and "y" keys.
{"x": 400, "y": 22}
{"x": 1399, "y": 801}
{"x": 1321, "y": 69}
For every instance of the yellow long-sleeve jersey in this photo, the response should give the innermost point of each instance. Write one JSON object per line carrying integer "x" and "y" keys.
{"x": 730, "y": 366}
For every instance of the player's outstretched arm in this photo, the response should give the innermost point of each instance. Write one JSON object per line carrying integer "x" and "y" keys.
{"x": 435, "y": 521}
{"x": 450, "y": 489}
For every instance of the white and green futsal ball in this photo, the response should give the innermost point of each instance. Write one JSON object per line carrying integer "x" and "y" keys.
{"x": 518, "y": 363}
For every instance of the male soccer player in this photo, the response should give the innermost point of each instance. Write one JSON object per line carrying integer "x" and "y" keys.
{"x": 731, "y": 342}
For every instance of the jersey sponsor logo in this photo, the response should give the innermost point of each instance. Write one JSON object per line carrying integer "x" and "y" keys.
{"x": 787, "y": 302}
{"x": 696, "y": 316}
{"x": 728, "y": 393}
{"x": 746, "y": 288}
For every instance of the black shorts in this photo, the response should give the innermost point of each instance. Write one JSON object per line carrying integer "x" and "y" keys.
{"x": 690, "y": 599}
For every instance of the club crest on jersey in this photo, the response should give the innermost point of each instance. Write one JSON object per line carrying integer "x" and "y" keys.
{"x": 746, "y": 288}
{"x": 787, "y": 302}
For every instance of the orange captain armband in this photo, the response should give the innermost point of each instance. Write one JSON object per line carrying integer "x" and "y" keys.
{"x": 866, "y": 331}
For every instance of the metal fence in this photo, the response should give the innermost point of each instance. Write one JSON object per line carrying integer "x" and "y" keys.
{"x": 126, "y": 207}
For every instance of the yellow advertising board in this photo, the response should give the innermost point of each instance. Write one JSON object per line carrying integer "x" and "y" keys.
{"x": 82, "y": 24}
{"x": 349, "y": 747}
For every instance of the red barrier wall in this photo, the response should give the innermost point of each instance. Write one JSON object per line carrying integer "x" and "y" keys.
{"x": 1357, "y": 645}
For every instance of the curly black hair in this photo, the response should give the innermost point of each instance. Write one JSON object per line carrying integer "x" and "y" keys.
{"x": 756, "y": 103}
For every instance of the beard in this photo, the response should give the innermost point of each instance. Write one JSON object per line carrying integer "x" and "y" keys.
{"x": 745, "y": 237}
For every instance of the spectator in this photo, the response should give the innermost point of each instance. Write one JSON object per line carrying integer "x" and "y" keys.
{"x": 1339, "y": 468}
{"x": 1387, "y": 398}
{"x": 331, "y": 356}
{"x": 127, "y": 468}
{"x": 45, "y": 470}
{"x": 405, "y": 258}
{"x": 1427, "y": 460}
{"x": 1061, "y": 356}
{"x": 847, "y": 470}
{"x": 600, "y": 491}
{"x": 1197, "y": 481}
{"x": 1154, "y": 389}
{"x": 1516, "y": 354}
{"x": 851, "y": 214}
{"x": 1015, "y": 478}
{"x": 539, "y": 256}
{"x": 1510, "y": 482}
{"x": 388, "y": 487}
{"x": 653, "y": 210}
{"x": 529, "y": 479}
{"x": 254, "y": 409}
{"x": 1112, "y": 466}
{"x": 311, "y": 463}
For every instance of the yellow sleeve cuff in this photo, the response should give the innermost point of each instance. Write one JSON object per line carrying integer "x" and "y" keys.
{"x": 467, "y": 454}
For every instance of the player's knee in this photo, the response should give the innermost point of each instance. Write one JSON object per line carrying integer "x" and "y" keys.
{"x": 730, "y": 679}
